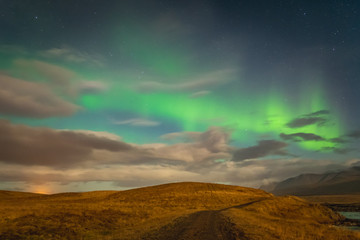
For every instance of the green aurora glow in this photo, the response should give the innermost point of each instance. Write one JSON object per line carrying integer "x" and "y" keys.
{"x": 247, "y": 113}
{"x": 152, "y": 92}
{"x": 268, "y": 114}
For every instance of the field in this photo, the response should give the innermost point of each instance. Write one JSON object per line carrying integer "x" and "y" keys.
{"x": 349, "y": 199}
{"x": 170, "y": 211}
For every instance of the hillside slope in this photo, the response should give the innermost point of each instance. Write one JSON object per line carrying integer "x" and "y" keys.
{"x": 170, "y": 211}
{"x": 342, "y": 182}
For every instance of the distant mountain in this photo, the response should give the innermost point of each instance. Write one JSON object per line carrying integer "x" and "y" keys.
{"x": 341, "y": 182}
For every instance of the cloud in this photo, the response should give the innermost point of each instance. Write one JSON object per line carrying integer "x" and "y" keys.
{"x": 338, "y": 140}
{"x": 347, "y": 138}
{"x": 309, "y": 119}
{"x": 139, "y": 122}
{"x": 353, "y": 163}
{"x": 215, "y": 139}
{"x": 71, "y": 55}
{"x": 182, "y": 152}
{"x": 57, "y": 76}
{"x": 251, "y": 173}
{"x": 354, "y": 134}
{"x": 63, "y": 53}
{"x": 67, "y": 159}
{"x": 199, "y": 94}
{"x": 298, "y": 137}
{"x": 91, "y": 87}
{"x": 181, "y": 136}
{"x": 301, "y": 122}
{"x": 66, "y": 148}
{"x": 44, "y": 146}
{"x": 280, "y": 169}
{"x": 198, "y": 83}
{"x": 262, "y": 149}
{"x": 106, "y": 135}
{"x": 126, "y": 176}
{"x": 61, "y": 80}
{"x": 318, "y": 113}
{"x": 198, "y": 147}
{"x": 29, "y": 99}
{"x": 339, "y": 150}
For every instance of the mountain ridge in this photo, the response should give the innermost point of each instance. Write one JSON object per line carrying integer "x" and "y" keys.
{"x": 339, "y": 182}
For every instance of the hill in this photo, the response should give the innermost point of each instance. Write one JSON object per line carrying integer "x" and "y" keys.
{"x": 341, "y": 182}
{"x": 170, "y": 211}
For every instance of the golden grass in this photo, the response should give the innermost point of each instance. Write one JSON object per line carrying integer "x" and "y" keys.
{"x": 288, "y": 218}
{"x": 334, "y": 199}
{"x": 259, "y": 227}
{"x": 133, "y": 213}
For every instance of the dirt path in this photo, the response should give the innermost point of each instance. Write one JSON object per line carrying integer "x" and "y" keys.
{"x": 203, "y": 225}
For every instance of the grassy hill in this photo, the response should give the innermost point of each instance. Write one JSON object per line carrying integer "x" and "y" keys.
{"x": 170, "y": 211}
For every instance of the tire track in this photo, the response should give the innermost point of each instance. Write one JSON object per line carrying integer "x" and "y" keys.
{"x": 203, "y": 225}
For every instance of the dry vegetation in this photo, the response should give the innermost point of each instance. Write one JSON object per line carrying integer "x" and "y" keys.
{"x": 288, "y": 218}
{"x": 335, "y": 199}
{"x": 155, "y": 212}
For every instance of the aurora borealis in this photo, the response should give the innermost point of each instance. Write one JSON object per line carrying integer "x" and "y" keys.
{"x": 120, "y": 94}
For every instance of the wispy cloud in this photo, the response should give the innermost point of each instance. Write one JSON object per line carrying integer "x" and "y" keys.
{"x": 298, "y": 137}
{"x": 317, "y": 118}
{"x": 339, "y": 140}
{"x": 198, "y": 83}
{"x": 181, "y": 136}
{"x": 354, "y": 134}
{"x": 318, "y": 113}
{"x": 30, "y": 99}
{"x": 262, "y": 149}
{"x": 139, "y": 122}
{"x": 58, "y": 78}
{"x": 339, "y": 150}
{"x": 199, "y": 94}
{"x": 91, "y": 87}
{"x": 71, "y": 55}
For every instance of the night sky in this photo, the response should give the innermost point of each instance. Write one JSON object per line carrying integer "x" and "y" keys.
{"x": 121, "y": 94}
